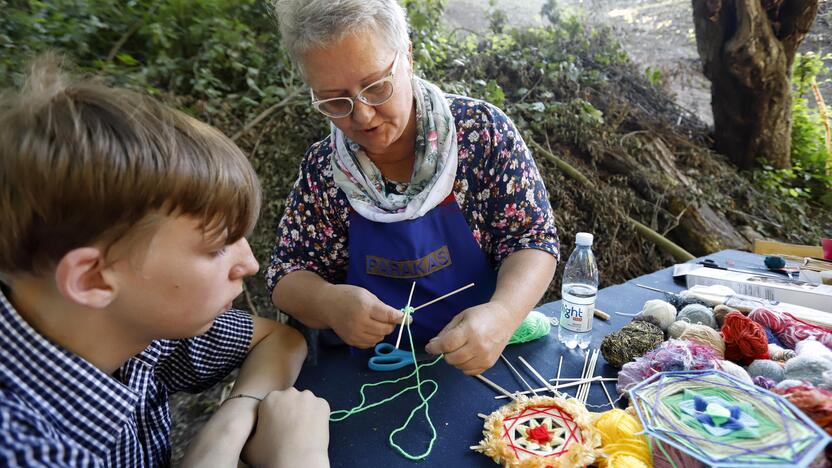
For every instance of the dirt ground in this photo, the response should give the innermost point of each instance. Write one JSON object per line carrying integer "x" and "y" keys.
{"x": 657, "y": 34}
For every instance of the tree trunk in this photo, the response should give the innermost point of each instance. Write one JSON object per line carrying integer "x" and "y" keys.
{"x": 747, "y": 48}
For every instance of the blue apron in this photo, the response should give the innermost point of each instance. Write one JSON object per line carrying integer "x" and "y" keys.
{"x": 437, "y": 251}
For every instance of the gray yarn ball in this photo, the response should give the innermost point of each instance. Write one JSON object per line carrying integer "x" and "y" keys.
{"x": 767, "y": 368}
{"x": 809, "y": 368}
{"x": 697, "y": 313}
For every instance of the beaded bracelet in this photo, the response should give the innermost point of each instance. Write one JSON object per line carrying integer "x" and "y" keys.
{"x": 242, "y": 395}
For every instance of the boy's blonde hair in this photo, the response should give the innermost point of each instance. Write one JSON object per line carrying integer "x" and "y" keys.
{"x": 82, "y": 163}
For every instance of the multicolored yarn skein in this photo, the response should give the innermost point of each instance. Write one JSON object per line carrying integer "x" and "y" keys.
{"x": 624, "y": 449}
{"x": 790, "y": 330}
{"x": 671, "y": 355}
{"x": 815, "y": 402}
{"x": 745, "y": 340}
{"x": 632, "y": 341}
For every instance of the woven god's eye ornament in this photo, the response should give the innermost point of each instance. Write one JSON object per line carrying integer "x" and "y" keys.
{"x": 540, "y": 432}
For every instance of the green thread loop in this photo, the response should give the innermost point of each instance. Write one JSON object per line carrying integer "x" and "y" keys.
{"x": 340, "y": 415}
{"x": 534, "y": 326}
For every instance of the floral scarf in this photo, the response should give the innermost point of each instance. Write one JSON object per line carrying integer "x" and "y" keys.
{"x": 434, "y": 169}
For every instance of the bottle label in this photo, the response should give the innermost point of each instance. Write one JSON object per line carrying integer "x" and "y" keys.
{"x": 576, "y": 317}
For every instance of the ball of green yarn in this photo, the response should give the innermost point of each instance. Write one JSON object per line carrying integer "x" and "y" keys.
{"x": 534, "y": 326}
{"x": 632, "y": 341}
{"x": 697, "y": 313}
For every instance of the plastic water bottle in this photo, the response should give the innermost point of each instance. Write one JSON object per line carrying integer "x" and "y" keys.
{"x": 580, "y": 286}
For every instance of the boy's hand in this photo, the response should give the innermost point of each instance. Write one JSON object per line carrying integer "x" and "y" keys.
{"x": 292, "y": 430}
{"x": 358, "y": 316}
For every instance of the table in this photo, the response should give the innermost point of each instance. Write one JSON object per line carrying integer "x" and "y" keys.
{"x": 361, "y": 440}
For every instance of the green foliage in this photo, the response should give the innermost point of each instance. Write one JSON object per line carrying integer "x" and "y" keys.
{"x": 564, "y": 84}
{"x": 811, "y": 173}
{"x": 654, "y": 75}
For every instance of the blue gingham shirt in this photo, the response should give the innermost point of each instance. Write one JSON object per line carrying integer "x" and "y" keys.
{"x": 58, "y": 410}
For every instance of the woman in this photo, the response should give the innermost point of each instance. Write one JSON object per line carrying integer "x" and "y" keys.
{"x": 411, "y": 185}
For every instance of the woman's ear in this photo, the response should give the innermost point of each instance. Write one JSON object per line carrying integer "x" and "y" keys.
{"x": 82, "y": 277}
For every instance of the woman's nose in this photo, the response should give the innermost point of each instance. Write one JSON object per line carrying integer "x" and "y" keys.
{"x": 362, "y": 113}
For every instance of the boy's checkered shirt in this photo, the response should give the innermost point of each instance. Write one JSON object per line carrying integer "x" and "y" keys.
{"x": 58, "y": 410}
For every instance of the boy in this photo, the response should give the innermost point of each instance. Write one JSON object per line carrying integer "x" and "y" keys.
{"x": 121, "y": 240}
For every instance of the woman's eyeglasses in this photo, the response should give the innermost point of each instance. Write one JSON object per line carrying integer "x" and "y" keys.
{"x": 375, "y": 94}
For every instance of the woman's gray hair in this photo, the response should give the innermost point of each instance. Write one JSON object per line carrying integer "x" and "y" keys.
{"x": 311, "y": 24}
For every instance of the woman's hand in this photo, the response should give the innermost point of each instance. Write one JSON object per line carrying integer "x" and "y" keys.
{"x": 358, "y": 316}
{"x": 292, "y": 430}
{"x": 474, "y": 339}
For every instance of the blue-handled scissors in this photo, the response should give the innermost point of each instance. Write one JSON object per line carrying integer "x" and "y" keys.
{"x": 389, "y": 358}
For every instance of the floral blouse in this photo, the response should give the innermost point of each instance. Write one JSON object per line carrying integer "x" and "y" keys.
{"x": 498, "y": 188}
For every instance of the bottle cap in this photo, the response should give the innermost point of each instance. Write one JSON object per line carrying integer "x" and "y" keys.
{"x": 583, "y": 239}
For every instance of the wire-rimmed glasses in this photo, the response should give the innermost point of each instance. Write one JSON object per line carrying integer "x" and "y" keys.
{"x": 374, "y": 94}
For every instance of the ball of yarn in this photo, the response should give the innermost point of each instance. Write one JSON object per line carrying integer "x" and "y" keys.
{"x": 761, "y": 381}
{"x": 632, "y": 341}
{"x": 720, "y": 312}
{"x": 658, "y": 313}
{"x": 624, "y": 449}
{"x": 777, "y": 353}
{"x": 774, "y": 262}
{"x": 676, "y": 328}
{"x": 672, "y": 355}
{"x": 807, "y": 368}
{"x": 697, "y": 313}
{"x": 534, "y": 326}
{"x": 827, "y": 380}
{"x": 745, "y": 340}
{"x": 789, "y": 330}
{"x": 733, "y": 369}
{"x": 679, "y": 301}
{"x": 767, "y": 368}
{"x": 811, "y": 346}
{"x": 705, "y": 336}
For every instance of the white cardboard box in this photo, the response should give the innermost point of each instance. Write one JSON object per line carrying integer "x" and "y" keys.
{"x": 816, "y": 296}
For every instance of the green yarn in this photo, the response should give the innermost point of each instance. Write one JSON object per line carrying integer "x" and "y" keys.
{"x": 534, "y": 326}
{"x": 340, "y": 415}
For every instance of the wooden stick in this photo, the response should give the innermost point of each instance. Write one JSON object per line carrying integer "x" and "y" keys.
{"x": 579, "y": 391}
{"x": 404, "y": 319}
{"x": 539, "y": 377}
{"x": 495, "y": 386}
{"x": 612, "y": 405}
{"x": 556, "y": 387}
{"x": 443, "y": 297}
{"x": 517, "y": 374}
{"x": 591, "y": 371}
{"x": 557, "y": 378}
{"x": 601, "y": 314}
{"x": 572, "y": 379}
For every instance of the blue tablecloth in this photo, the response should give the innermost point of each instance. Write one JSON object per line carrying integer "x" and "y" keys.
{"x": 361, "y": 440}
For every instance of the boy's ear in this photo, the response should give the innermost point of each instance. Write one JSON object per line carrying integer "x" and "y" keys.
{"x": 81, "y": 276}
